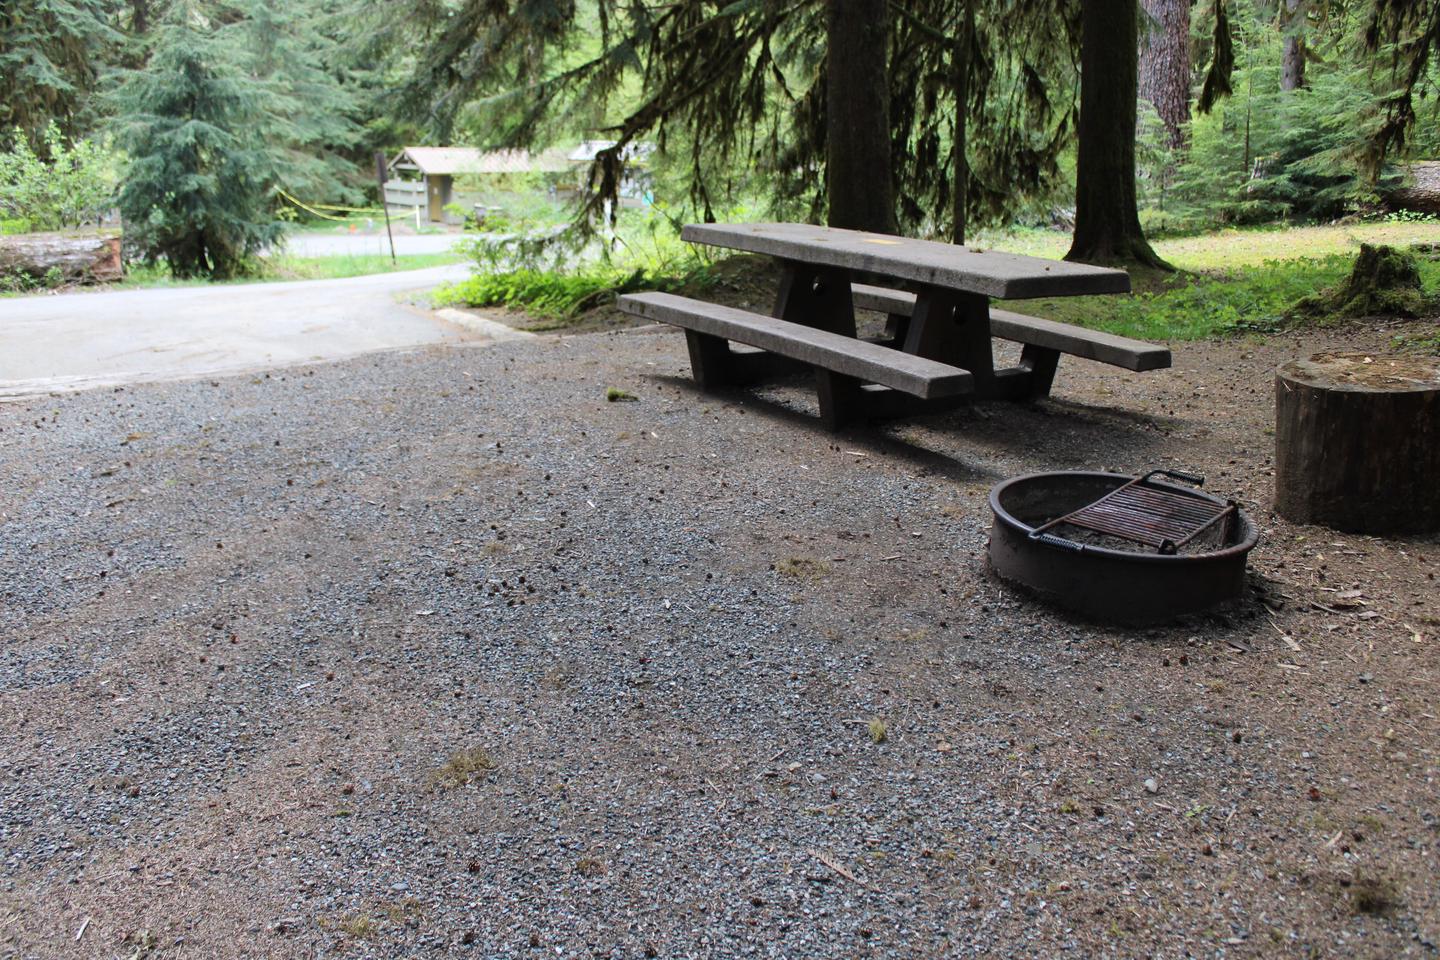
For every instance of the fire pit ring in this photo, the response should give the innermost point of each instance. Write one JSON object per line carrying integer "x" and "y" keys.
{"x": 1125, "y": 586}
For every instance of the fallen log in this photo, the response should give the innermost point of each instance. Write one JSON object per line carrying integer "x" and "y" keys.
{"x": 55, "y": 258}
{"x": 1421, "y": 192}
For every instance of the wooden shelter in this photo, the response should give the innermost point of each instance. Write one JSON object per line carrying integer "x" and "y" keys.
{"x": 437, "y": 168}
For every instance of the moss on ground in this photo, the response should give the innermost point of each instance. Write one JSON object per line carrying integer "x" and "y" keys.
{"x": 1384, "y": 282}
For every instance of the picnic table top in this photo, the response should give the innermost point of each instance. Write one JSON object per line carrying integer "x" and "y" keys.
{"x": 992, "y": 273}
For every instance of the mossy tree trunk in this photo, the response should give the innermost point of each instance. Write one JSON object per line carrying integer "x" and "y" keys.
{"x": 960, "y": 56}
{"x": 1165, "y": 65}
{"x": 1107, "y": 223}
{"x": 859, "y": 184}
{"x": 1292, "y": 57}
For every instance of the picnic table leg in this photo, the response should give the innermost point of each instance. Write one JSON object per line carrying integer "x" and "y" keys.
{"x": 897, "y": 327}
{"x": 710, "y": 360}
{"x": 817, "y": 297}
{"x": 1039, "y": 363}
{"x": 839, "y": 398}
{"x": 820, "y": 297}
{"x": 954, "y": 328}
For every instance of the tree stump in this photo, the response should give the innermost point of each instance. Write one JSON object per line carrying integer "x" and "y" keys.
{"x": 1357, "y": 442}
{"x": 67, "y": 257}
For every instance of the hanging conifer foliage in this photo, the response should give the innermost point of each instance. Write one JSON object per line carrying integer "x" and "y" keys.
{"x": 51, "y": 52}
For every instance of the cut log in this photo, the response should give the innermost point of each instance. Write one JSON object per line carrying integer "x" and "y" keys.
{"x": 65, "y": 257}
{"x": 1357, "y": 442}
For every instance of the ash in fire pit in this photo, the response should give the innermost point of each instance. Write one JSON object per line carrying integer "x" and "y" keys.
{"x": 1132, "y": 550}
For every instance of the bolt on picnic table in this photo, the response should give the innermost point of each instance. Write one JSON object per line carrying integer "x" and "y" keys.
{"x": 938, "y": 349}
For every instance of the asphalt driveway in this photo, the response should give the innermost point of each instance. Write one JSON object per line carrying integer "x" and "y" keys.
{"x": 80, "y": 340}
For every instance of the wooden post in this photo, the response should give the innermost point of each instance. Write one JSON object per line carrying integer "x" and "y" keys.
{"x": 384, "y": 202}
{"x": 1357, "y": 442}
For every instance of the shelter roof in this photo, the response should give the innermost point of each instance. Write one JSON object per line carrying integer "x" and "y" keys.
{"x": 439, "y": 161}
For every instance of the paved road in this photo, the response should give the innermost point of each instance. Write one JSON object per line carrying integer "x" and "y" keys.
{"x": 81, "y": 340}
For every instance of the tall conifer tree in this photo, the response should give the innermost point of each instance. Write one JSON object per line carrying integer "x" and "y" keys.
{"x": 199, "y": 185}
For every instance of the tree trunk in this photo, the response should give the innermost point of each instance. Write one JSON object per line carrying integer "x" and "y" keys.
{"x": 62, "y": 257}
{"x": 859, "y": 181}
{"x": 960, "y": 59}
{"x": 1165, "y": 64}
{"x": 1292, "y": 59}
{"x": 1357, "y": 442}
{"x": 1107, "y": 225}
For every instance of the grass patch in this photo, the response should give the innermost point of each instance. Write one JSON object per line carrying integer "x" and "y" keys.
{"x": 285, "y": 267}
{"x": 464, "y": 767}
{"x": 878, "y": 731}
{"x": 357, "y": 925}
{"x": 801, "y": 568}
{"x": 616, "y": 395}
{"x": 1221, "y": 250}
{"x": 590, "y": 867}
{"x": 1195, "y": 306}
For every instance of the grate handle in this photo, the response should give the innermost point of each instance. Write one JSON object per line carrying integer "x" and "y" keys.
{"x": 1054, "y": 541}
{"x": 1196, "y": 479}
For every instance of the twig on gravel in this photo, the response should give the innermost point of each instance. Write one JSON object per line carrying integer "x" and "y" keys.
{"x": 842, "y": 871}
{"x": 81, "y": 932}
{"x": 1290, "y": 641}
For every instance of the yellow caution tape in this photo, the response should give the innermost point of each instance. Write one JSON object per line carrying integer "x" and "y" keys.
{"x": 311, "y": 208}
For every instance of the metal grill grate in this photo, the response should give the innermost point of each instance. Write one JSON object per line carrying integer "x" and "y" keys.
{"x": 1151, "y": 514}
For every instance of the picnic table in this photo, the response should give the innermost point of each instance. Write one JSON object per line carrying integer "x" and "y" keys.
{"x": 937, "y": 349}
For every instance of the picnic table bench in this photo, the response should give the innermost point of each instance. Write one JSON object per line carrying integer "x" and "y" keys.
{"x": 938, "y": 347}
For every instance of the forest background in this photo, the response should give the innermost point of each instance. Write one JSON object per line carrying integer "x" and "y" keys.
{"x": 202, "y": 120}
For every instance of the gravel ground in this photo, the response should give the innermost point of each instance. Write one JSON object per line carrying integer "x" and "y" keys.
{"x": 439, "y": 654}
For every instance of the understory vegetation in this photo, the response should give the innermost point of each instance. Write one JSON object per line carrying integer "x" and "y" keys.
{"x": 545, "y": 273}
{"x": 65, "y": 183}
{"x": 1258, "y": 298}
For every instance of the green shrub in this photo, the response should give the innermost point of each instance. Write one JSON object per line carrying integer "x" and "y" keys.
{"x": 552, "y": 274}
{"x": 75, "y": 186}
{"x": 19, "y": 282}
{"x": 562, "y": 294}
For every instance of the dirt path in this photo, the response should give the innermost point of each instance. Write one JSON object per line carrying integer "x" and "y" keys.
{"x": 439, "y": 654}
